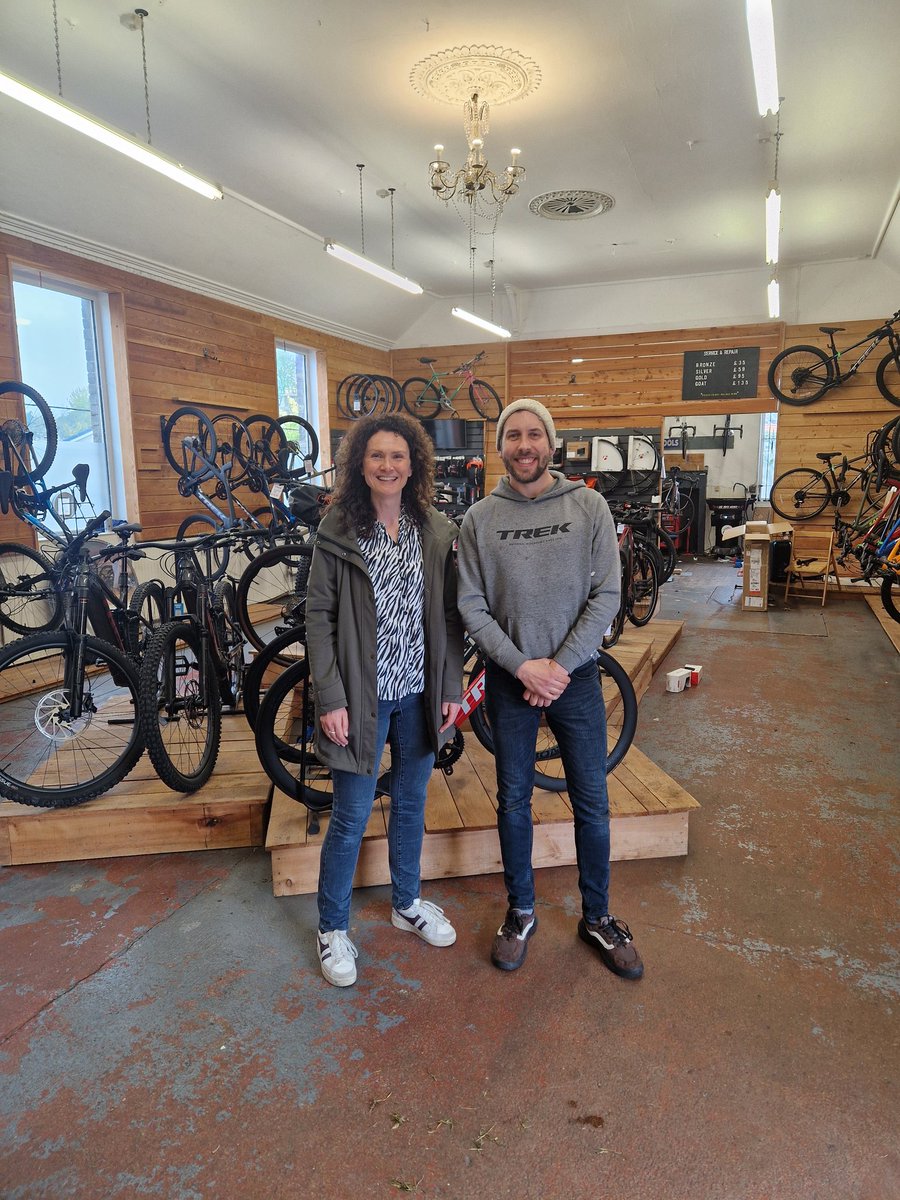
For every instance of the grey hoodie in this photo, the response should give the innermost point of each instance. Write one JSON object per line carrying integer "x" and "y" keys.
{"x": 539, "y": 578}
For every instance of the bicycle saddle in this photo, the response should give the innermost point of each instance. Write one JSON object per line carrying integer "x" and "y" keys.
{"x": 126, "y": 530}
{"x": 427, "y": 360}
{"x": 831, "y": 329}
{"x": 826, "y": 457}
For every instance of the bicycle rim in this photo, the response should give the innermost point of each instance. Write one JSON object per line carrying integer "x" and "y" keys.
{"x": 799, "y": 495}
{"x": 287, "y": 718}
{"x": 29, "y": 599}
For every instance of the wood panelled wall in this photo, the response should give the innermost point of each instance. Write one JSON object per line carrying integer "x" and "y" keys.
{"x": 176, "y": 347}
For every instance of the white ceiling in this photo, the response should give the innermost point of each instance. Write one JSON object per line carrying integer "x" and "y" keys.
{"x": 651, "y": 101}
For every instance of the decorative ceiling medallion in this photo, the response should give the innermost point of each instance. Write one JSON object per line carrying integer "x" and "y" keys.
{"x": 573, "y": 204}
{"x": 498, "y": 75}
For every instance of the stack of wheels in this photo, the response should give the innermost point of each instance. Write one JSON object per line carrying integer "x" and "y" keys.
{"x": 362, "y": 395}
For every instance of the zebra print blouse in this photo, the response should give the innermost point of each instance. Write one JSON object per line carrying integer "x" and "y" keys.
{"x": 398, "y": 579}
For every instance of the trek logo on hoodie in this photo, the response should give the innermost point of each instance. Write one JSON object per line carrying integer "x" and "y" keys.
{"x": 538, "y": 531}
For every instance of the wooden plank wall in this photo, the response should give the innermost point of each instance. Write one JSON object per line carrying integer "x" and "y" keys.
{"x": 178, "y": 348}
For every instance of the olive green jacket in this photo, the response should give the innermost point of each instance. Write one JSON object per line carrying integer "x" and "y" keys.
{"x": 341, "y": 638}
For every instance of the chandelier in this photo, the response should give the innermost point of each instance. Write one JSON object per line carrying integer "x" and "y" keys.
{"x": 475, "y": 181}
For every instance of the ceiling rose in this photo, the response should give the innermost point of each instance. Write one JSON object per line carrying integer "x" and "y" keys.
{"x": 573, "y": 204}
{"x": 497, "y": 74}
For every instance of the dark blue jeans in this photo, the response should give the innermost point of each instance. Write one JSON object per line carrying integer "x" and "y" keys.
{"x": 578, "y": 721}
{"x": 403, "y": 725}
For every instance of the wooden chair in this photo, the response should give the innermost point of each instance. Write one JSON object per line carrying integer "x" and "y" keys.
{"x": 812, "y": 561}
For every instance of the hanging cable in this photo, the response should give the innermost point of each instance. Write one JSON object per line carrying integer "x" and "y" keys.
{"x": 140, "y": 13}
{"x": 392, "y": 190}
{"x": 58, "y": 60}
{"x": 362, "y": 223}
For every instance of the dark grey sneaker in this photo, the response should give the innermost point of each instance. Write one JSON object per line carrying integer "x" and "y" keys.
{"x": 511, "y": 941}
{"x": 613, "y": 942}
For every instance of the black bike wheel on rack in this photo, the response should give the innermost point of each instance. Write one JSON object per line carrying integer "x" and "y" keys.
{"x": 30, "y": 601}
{"x": 890, "y": 596}
{"x": 887, "y": 377}
{"x": 643, "y": 592}
{"x": 618, "y": 692}
{"x": 287, "y": 718}
{"x": 282, "y": 652}
{"x": 180, "y": 706}
{"x": 271, "y": 593}
{"x": 200, "y": 526}
{"x": 36, "y": 436}
{"x": 147, "y": 608}
{"x": 800, "y": 495}
{"x": 800, "y": 375}
{"x": 344, "y": 394}
{"x": 49, "y": 759}
{"x": 421, "y": 399}
{"x": 485, "y": 400}
{"x": 189, "y": 443}
{"x": 301, "y": 447}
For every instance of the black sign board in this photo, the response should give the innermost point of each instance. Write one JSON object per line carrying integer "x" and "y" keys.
{"x": 720, "y": 374}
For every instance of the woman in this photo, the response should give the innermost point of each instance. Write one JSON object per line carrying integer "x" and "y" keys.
{"x": 385, "y": 651}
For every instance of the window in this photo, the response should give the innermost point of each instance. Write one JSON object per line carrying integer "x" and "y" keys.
{"x": 768, "y": 429}
{"x": 296, "y": 389}
{"x": 65, "y": 346}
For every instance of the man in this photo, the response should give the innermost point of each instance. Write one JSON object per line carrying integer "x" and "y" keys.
{"x": 539, "y": 585}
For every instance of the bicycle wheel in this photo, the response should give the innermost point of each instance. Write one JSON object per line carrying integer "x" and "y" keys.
{"x": 301, "y": 447}
{"x": 421, "y": 398}
{"x": 800, "y": 495}
{"x": 887, "y": 377}
{"x": 52, "y": 758}
{"x": 800, "y": 375}
{"x": 620, "y": 700}
{"x": 147, "y": 610}
{"x": 643, "y": 590}
{"x": 180, "y": 707}
{"x": 283, "y": 651}
{"x": 485, "y": 400}
{"x": 668, "y": 554}
{"x": 189, "y": 443}
{"x": 611, "y": 470}
{"x": 287, "y": 717}
{"x": 34, "y": 438}
{"x": 890, "y": 596}
{"x": 29, "y": 598}
{"x": 617, "y": 624}
{"x": 201, "y": 526}
{"x": 271, "y": 593}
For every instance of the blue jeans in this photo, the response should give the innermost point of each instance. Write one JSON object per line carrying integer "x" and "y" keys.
{"x": 403, "y": 725}
{"x": 578, "y": 721}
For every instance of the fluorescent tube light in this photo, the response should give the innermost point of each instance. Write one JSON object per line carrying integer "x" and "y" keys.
{"x": 92, "y": 128}
{"x": 773, "y": 222}
{"x": 761, "y": 28}
{"x": 371, "y": 268}
{"x": 497, "y": 330}
{"x": 772, "y": 292}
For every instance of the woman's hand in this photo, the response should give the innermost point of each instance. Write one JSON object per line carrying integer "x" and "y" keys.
{"x": 336, "y": 726}
{"x": 450, "y": 712}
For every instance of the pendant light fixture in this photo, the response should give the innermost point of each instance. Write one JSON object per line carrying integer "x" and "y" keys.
{"x": 336, "y": 250}
{"x": 761, "y": 31}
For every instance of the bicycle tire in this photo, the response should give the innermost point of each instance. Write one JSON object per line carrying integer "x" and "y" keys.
{"x": 147, "y": 609}
{"x": 302, "y": 777}
{"x": 189, "y": 443}
{"x": 39, "y": 422}
{"x": 807, "y": 372}
{"x": 485, "y": 400}
{"x": 30, "y": 600}
{"x": 616, "y": 680}
{"x": 891, "y": 605}
{"x": 643, "y": 589}
{"x": 180, "y": 706}
{"x": 50, "y": 760}
{"x": 200, "y": 526}
{"x": 421, "y": 399}
{"x": 275, "y": 657}
{"x": 887, "y": 378}
{"x": 301, "y": 446}
{"x": 271, "y": 593}
{"x": 343, "y": 396}
{"x": 800, "y": 494}
{"x": 668, "y": 553}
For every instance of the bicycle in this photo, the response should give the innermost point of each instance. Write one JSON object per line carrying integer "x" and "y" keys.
{"x": 640, "y": 580}
{"x": 425, "y": 398}
{"x": 285, "y": 731}
{"x": 28, "y": 446}
{"x": 801, "y": 374}
{"x": 802, "y": 493}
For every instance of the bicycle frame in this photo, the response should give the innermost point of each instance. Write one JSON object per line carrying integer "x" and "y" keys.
{"x": 465, "y": 370}
{"x": 874, "y": 339}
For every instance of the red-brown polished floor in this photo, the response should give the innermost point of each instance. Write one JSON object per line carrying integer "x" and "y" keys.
{"x": 165, "y": 1032}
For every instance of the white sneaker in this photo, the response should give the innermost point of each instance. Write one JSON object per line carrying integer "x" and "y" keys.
{"x": 426, "y": 920}
{"x": 336, "y": 957}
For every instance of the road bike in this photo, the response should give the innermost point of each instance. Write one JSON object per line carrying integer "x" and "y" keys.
{"x": 801, "y": 374}
{"x": 425, "y": 398}
{"x": 640, "y": 579}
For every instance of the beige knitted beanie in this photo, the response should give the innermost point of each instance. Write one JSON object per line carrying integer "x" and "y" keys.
{"x": 532, "y": 406}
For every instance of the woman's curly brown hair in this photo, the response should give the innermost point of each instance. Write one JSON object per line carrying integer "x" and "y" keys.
{"x": 351, "y": 492}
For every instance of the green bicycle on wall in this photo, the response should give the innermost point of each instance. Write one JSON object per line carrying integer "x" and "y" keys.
{"x": 425, "y": 398}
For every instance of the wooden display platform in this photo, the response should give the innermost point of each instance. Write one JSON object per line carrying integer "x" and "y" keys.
{"x": 888, "y": 624}
{"x": 649, "y": 810}
{"x": 142, "y": 816}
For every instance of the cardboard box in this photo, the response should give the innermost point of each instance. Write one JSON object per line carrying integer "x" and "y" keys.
{"x": 758, "y": 537}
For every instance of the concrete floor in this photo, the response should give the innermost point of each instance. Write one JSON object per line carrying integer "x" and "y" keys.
{"x": 165, "y": 1032}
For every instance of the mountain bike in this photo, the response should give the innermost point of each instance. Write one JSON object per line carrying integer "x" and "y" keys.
{"x": 801, "y": 374}
{"x": 425, "y": 398}
{"x": 802, "y": 493}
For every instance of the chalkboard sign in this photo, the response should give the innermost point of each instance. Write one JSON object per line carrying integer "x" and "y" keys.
{"x": 720, "y": 374}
